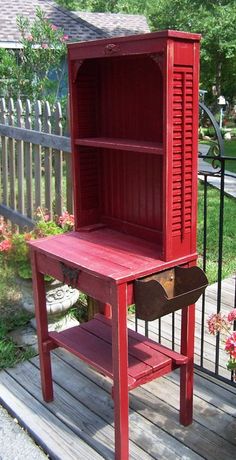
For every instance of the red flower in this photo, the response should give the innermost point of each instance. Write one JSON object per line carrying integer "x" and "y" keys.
{"x": 232, "y": 315}
{"x": 64, "y": 38}
{"x": 5, "y": 245}
{"x": 66, "y": 219}
{"x": 230, "y": 345}
{"x": 216, "y": 323}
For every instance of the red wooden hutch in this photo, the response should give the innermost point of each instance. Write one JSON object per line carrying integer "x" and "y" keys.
{"x": 134, "y": 125}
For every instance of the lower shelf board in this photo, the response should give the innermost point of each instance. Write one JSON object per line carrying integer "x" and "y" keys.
{"x": 92, "y": 342}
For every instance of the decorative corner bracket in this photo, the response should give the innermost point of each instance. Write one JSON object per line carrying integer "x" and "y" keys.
{"x": 159, "y": 59}
{"x": 75, "y": 70}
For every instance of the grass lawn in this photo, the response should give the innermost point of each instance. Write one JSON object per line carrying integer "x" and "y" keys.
{"x": 229, "y": 241}
{"x": 12, "y": 316}
{"x": 230, "y": 150}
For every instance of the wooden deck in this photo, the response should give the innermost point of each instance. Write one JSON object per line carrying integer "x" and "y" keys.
{"x": 78, "y": 424}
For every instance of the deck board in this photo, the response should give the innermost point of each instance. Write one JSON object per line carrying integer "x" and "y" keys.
{"x": 79, "y": 425}
{"x": 75, "y": 419}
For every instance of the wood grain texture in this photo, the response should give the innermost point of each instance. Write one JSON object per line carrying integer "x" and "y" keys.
{"x": 75, "y": 418}
{"x": 51, "y": 433}
{"x": 107, "y": 252}
{"x": 92, "y": 342}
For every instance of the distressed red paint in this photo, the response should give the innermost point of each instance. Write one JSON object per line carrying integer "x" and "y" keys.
{"x": 134, "y": 125}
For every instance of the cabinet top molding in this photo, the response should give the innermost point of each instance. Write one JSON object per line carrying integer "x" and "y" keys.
{"x": 163, "y": 34}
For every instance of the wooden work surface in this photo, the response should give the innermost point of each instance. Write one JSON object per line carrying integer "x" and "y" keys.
{"x": 106, "y": 253}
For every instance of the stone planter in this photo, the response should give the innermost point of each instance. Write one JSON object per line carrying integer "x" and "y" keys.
{"x": 59, "y": 297}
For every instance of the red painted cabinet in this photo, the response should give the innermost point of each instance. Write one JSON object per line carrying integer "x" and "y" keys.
{"x": 134, "y": 109}
{"x": 134, "y": 124}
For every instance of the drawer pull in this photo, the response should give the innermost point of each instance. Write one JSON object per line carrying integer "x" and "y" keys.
{"x": 111, "y": 49}
{"x": 70, "y": 275}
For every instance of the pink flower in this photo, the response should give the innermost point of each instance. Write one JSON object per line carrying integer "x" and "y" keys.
{"x": 44, "y": 45}
{"x": 30, "y": 38}
{"x": 5, "y": 245}
{"x": 232, "y": 315}
{"x": 66, "y": 220}
{"x": 230, "y": 345}
{"x": 216, "y": 323}
{"x": 64, "y": 38}
{"x": 53, "y": 27}
{"x": 222, "y": 323}
{"x": 46, "y": 217}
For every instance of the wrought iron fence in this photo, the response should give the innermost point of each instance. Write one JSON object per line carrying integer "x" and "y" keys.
{"x": 210, "y": 356}
{"x": 216, "y": 155}
{"x": 21, "y": 154}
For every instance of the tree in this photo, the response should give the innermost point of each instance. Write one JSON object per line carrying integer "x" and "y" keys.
{"x": 8, "y": 71}
{"x": 111, "y": 6}
{"x": 214, "y": 19}
{"x": 41, "y": 56}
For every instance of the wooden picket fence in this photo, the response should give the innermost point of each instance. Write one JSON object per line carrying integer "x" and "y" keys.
{"x": 35, "y": 160}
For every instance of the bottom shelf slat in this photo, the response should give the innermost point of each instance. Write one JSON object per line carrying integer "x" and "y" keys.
{"x": 92, "y": 342}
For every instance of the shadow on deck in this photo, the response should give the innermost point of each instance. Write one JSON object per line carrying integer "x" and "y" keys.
{"x": 78, "y": 424}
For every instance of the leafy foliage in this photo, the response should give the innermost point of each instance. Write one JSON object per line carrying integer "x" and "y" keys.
{"x": 12, "y": 316}
{"x": 14, "y": 250}
{"x": 28, "y": 72}
{"x": 214, "y": 19}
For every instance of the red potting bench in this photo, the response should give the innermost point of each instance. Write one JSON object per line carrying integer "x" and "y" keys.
{"x": 134, "y": 123}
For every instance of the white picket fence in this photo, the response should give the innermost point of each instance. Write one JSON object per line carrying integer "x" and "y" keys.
{"x": 35, "y": 160}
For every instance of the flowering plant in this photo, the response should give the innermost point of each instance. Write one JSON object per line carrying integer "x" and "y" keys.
{"x": 43, "y": 50}
{"x": 38, "y": 69}
{"x": 222, "y": 323}
{"x": 14, "y": 249}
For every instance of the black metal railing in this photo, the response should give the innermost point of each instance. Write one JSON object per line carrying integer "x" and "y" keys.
{"x": 213, "y": 167}
{"x": 217, "y": 157}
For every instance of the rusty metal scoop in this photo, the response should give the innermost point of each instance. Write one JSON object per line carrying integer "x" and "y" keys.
{"x": 168, "y": 291}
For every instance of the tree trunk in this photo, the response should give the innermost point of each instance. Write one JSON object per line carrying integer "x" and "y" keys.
{"x": 218, "y": 76}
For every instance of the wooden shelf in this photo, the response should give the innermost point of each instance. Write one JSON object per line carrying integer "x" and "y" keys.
{"x": 122, "y": 144}
{"x": 92, "y": 342}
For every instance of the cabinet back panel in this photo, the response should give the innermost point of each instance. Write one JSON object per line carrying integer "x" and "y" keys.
{"x": 117, "y": 98}
{"x": 131, "y": 188}
{"x": 130, "y": 95}
{"x": 87, "y": 90}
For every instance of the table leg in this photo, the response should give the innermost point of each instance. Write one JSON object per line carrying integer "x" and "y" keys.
{"x": 120, "y": 370}
{"x": 186, "y": 371}
{"x": 42, "y": 330}
{"x": 95, "y": 306}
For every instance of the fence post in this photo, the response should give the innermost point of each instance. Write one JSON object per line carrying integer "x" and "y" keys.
{"x": 37, "y": 156}
{"x": 3, "y": 120}
{"x": 20, "y": 159}
{"x": 48, "y": 161}
{"x": 12, "y": 157}
{"x": 28, "y": 162}
{"x": 58, "y": 162}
